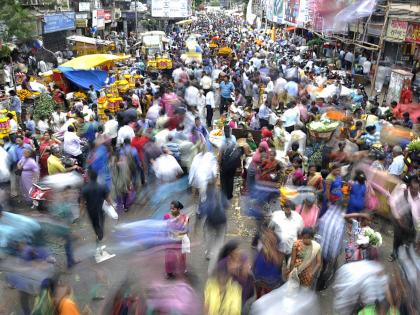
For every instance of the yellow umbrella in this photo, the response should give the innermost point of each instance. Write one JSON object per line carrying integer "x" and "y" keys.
{"x": 91, "y": 61}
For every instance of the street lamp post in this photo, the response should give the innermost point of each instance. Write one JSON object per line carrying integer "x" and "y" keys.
{"x": 137, "y": 27}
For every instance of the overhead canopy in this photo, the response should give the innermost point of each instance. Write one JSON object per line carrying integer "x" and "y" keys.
{"x": 91, "y": 61}
{"x": 89, "y": 40}
{"x": 183, "y": 22}
{"x": 85, "y": 78}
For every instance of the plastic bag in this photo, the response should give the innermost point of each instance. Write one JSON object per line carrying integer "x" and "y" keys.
{"x": 109, "y": 209}
{"x": 186, "y": 244}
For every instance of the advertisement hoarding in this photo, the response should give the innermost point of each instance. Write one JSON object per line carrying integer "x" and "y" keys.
{"x": 171, "y": 9}
{"x": 413, "y": 33}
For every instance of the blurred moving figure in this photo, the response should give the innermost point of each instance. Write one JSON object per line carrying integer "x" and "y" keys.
{"x": 176, "y": 251}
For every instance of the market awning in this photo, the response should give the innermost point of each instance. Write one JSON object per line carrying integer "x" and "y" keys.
{"x": 290, "y": 28}
{"x": 91, "y": 61}
{"x": 89, "y": 40}
{"x": 184, "y": 22}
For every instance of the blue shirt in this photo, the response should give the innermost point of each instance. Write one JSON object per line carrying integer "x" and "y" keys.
{"x": 16, "y": 104}
{"x": 30, "y": 125}
{"x": 226, "y": 89}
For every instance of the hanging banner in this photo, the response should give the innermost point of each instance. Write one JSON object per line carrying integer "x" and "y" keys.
{"x": 413, "y": 33}
{"x": 291, "y": 12}
{"x": 303, "y": 17}
{"x": 269, "y": 10}
{"x": 278, "y": 12}
{"x": 396, "y": 29}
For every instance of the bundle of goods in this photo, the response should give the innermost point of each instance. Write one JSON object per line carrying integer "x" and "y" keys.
{"x": 80, "y": 95}
{"x": 4, "y": 122}
{"x": 322, "y": 130}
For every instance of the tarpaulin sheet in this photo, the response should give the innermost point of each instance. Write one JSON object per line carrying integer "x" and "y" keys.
{"x": 91, "y": 61}
{"x": 85, "y": 78}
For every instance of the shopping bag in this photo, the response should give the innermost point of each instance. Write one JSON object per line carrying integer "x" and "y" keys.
{"x": 186, "y": 244}
{"x": 372, "y": 202}
{"x": 109, "y": 209}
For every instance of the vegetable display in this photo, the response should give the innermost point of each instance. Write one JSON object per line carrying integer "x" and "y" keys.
{"x": 414, "y": 145}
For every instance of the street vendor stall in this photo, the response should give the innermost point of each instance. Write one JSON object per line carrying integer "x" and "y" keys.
{"x": 83, "y": 45}
{"x": 81, "y": 71}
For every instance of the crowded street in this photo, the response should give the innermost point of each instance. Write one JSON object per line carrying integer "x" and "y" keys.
{"x": 200, "y": 159}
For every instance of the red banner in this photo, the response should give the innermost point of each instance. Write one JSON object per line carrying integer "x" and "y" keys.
{"x": 413, "y": 33}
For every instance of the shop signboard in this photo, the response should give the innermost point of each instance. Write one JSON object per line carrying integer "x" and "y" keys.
{"x": 413, "y": 33}
{"x": 84, "y": 6}
{"x": 108, "y": 16}
{"x": 60, "y": 21}
{"x": 396, "y": 29}
{"x": 81, "y": 23}
{"x": 171, "y": 9}
{"x": 98, "y": 19}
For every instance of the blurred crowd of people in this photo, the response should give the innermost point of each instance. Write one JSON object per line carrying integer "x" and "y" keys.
{"x": 232, "y": 126}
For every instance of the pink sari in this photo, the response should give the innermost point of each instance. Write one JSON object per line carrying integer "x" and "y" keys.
{"x": 175, "y": 260}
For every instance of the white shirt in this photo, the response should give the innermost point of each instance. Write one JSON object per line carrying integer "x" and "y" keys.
{"x": 124, "y": 133}
{"x": 191, "y": 95}
{"x": 43, "y": 126}
{"x": 287, "y": 229}
{"x": 203, "y": 170}
{"x": 111, "y": 128}
{"x": 397, "y": 166}
{"x": 290, "y": 117}
{"x": 58, "y": 120}
{"x": 206, "y": 82}
{"x": 366, "y": 67}
{"x": 279, "y": 86}
{"x": 349, "y": 57}
{"x": 72, "y": 144}
{"x": 292, "y": 88}
{"x": 210, "y": 99}
{"x": 13, "y": 126}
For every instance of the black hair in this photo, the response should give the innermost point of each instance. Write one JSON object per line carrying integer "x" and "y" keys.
{"x": 324, "y": 173}
{"x": 93, "y": 176}
{"x": 177, "y": 204}
{"x": 70, "y": 128}
{"x": 295, "y": 146}
{"x": 127, "y": 141}
{"x": 228, "y": 248}
{"x": 308, "y": 231}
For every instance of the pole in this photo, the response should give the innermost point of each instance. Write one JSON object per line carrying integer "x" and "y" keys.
{"x": 381, "y": 42}
{"x": 137, "y": 27}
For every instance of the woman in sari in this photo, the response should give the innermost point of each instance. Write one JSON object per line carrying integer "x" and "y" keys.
{"x": 29, "y": 173}
{"x": 267, "y": 265}
{"x": 314, "y": 178}
{"x": 309, "y": 211}
{"x": 334, "y": 184}
{"x": 46, "y": 142}
{"x": 175, "y": 254}
{"x": 306, "y": 259}
{"x": 270, "y": 168}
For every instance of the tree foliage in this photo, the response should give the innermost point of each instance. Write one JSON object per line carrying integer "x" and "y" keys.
{"x": 18, "y": 21}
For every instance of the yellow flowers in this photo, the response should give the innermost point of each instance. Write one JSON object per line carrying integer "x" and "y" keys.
{"x": 23, "y": 94}
{"x": 80, "y": 95}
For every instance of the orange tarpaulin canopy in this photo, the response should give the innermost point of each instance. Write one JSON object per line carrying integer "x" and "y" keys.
{"x": 290, "y": 28}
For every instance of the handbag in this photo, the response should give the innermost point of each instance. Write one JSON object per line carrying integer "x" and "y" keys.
{"x": 109, "y": 210}
{"x": 18, "y": 172}
{"x": 371, "y": 202}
